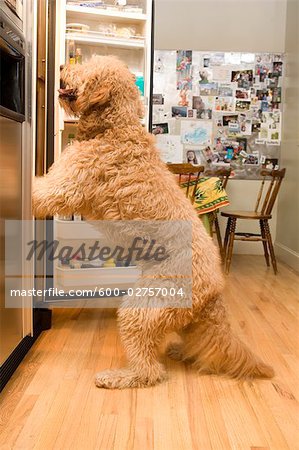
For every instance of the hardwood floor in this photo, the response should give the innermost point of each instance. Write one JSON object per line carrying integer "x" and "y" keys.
{"x": 52, "y": 403}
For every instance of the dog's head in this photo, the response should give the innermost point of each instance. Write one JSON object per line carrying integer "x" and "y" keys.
{"x": 101, "y": 82}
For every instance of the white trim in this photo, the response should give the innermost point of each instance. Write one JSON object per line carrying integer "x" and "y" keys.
{"x": 287, "y": 255}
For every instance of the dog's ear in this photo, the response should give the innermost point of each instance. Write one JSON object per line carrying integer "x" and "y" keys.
{"x": 95, "y": 92}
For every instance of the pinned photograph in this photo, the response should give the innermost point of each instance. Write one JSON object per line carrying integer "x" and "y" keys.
{"x": 191, "y": 113}
{"x": 277, "y": 68}
{"x": 263, "y": 94}
{"x": 252, "y": 158}
{"x": 204, "y": 114}
{"x": 193, "y": 157}
{"x": 197, "y": 102}
{"x": 244, "y": 78}
{"x": 263, "y": 134}
{"x": 160, "y": 128}
{"x": 224, "y": 104}
{"x": 179, "y": 111}
{"x": 246, "y": 127}
{"x": 196, "y": 132}
{"x": 269, "y": 163}
{"x": 183, "y": 60}
{"x": 205, "y": 76}
{"x": 255, "y": 128}
{"x": 243, "y": 105}
{"x": 208, "y": 89}
{"x": 242, "y": 93}
{"x": 276, "y": 95}
{"x": 226, "y": 119}
{"x": 225, "y": 90}
{"x": 158, "y": 99}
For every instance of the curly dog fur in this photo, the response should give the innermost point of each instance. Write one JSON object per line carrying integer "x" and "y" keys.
{"x": 113, "y": 171}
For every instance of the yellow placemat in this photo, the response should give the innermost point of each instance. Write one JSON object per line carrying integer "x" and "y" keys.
{"x": 209, "y": 196}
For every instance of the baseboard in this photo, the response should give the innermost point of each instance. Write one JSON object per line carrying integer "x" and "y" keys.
{"x": 287, "y": 255}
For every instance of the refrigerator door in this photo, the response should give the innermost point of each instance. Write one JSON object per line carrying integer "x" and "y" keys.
{"x": 11, "y": 319}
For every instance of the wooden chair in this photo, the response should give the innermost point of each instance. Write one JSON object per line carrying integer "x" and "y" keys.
{"x": 187, "y": 173}
{"x": 224, "y": 174}
{"x": 266, "y": 200}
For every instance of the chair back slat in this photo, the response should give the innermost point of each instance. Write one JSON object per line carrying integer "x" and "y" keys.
{"x": 273, "y": 189}
{"x": 190, "y": 170}
{"x": 222, "y": 173}
{"x": 260, "y": 195}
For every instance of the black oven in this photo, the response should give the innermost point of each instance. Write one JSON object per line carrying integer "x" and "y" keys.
{"x": 12, "y": 71}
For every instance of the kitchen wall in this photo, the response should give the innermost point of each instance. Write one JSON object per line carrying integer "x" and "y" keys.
{"x": 225, "y": 25}
{"x": 287, "y": 242}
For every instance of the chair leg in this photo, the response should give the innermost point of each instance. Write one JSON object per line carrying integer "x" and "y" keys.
{"x": 226, "y": 238}
{"x": 218, "y": 234}
{"x": 211, "y": 222}
{"x": 270, "y": 245}
{"x": 229, "y": 252}
{"x": 263, "y": 234}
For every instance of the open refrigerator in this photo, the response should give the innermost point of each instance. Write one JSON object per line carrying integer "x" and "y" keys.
{"x": 80, "y": 30}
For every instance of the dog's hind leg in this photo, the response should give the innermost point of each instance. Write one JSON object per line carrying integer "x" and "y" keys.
{"x": 209, "y": 343}
{"x": 141, "y": 331}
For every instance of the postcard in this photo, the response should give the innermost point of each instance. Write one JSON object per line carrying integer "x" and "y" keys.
{"x": 171, "y": 148}
{"x": 225, "y": 104}
{"x": 160, "y": 128}
{"x": 265, "y": 106}
{"x": 196, "y": 132}
{"x": 242, "y": 105}
{"x": 179, "y": 111}
{"x": 208, "y": 89}
{"x": 158, "y": 99}
{"x": 225, "y": 90}
{"x": 244, "y": 78}
{"x": 242, "y": 93}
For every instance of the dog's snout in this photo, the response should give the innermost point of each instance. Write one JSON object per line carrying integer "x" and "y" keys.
{"x": 62, "y": 84}
{"x": 62, "y": 66}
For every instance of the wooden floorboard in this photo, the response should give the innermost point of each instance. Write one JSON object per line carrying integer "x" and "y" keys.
{"x": 51, "y": 401}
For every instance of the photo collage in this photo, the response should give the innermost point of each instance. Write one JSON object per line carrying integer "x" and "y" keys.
{"x": 218, "y": 108}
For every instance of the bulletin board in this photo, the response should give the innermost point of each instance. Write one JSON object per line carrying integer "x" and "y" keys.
{"x": 219, "y": 109}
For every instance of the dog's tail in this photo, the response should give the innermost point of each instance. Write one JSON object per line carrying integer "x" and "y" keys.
{"x": 211, "y": 347}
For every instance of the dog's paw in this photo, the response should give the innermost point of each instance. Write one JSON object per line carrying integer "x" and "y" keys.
{"x": 174, "y": 351}
{"x": 125, "y": 378}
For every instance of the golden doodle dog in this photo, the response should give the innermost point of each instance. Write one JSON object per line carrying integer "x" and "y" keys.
{"x": 113, "y": 172}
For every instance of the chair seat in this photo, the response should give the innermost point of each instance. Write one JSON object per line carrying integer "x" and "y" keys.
{"x": 246, "y": 215}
